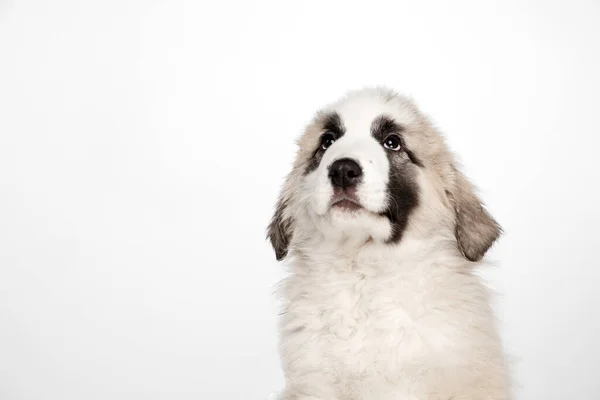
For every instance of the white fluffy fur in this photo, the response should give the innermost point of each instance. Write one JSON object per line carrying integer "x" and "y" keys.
{"x": 366, "y": 320}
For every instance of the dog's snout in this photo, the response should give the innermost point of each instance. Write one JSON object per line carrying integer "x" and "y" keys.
{"x": 345, "y": 173}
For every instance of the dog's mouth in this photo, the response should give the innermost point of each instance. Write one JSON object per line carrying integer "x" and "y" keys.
{"x": 345, "y": 200}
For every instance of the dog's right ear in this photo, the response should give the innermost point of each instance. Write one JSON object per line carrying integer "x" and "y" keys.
{"x": 281, "y": 228}
{"x": 283, "y": 224}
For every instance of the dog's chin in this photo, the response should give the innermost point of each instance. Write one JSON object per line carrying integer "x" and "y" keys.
{"x": 352, "y": 220}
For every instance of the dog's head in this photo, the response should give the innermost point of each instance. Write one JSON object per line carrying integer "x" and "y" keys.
{"x": 372, "y": 167}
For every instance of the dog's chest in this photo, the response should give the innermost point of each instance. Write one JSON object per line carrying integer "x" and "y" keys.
{"x": 359, "y": 320}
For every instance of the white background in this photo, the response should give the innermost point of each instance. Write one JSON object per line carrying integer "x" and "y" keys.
{"x": 142, "y": 145}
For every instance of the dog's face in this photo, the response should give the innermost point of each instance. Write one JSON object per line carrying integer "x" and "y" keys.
{"x": 371, "y": 167}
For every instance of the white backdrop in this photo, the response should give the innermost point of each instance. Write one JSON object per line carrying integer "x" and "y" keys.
{"x": 142, "y": 145}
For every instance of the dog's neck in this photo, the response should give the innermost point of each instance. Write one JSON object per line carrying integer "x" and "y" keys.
{"x": 318, "y": 252}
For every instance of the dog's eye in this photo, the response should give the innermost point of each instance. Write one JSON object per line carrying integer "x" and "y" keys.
{"x": 392, "y": 142}
{"x": 327, "y": 140}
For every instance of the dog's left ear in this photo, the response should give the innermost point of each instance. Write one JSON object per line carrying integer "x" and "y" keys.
{"x": 475, "y": 229}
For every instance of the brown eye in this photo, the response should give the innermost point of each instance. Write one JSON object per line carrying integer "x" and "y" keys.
{"x": 327, "y": 140}
{"x": 392, "y": 142}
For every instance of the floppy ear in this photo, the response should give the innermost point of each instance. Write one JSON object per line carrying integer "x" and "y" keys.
{"x": 280, "y": 228}
{"x": 475, "y": 229}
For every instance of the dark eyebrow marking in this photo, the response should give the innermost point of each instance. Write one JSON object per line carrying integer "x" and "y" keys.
{"x": 383, "y": 126}
{"x": 327, "y": 122}
{"x": 332, "y": 122}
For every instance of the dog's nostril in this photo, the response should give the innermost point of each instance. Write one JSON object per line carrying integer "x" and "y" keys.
{"x": 345, "y": 173}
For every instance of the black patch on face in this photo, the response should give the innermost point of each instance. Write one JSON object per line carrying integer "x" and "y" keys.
{"x": 403, "y": 193}
{"x": 403, "y": 196}
{"x": 330, "y": 123}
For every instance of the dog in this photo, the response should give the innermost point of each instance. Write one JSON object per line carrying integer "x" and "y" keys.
{"x": 383, "y": 234}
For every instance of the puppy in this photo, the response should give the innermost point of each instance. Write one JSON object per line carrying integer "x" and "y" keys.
{"x": 382, "y": 234}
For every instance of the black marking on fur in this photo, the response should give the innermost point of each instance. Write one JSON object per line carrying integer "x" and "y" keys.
{"x": 403, "y": 196}
{"x": 330, "y": 123}
{"x": 333, "y": 123}
{"x": 413, "y": 158}
{"x": 383, "y": 126}
{"x": 403, "y": 192}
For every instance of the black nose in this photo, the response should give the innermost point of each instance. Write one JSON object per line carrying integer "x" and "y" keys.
{"x": 345, "y": 173}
